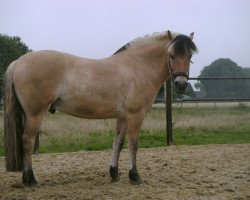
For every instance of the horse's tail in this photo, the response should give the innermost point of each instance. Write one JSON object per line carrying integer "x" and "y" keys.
{"x": 14, "y": 118}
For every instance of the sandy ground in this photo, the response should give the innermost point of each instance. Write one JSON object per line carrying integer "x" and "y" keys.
{"x": 183, "y": 172}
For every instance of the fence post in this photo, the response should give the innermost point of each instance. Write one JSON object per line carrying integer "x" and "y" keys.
{"x": 168, "y": 107}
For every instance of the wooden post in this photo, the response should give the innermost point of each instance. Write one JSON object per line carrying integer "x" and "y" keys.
{"x": 168, "y": 107}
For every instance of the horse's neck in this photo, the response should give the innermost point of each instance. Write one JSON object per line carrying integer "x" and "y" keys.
{"x": 154, "y": 59}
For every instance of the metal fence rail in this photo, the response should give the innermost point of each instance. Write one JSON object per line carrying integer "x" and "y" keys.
{"x": 219, "y": 78}
{"x": 169, "y": 101}
{"x": 212, "y": 100}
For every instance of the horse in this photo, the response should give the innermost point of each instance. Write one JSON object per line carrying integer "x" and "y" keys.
{"x": 122, "y": 86}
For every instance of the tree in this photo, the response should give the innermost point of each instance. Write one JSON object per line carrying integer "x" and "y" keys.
{"x": 223, "y": 67}
{"x": 11, "y": 48}
{"x": 246, "y": 72}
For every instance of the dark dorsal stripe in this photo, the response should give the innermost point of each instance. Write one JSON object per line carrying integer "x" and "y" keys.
{"x": 122, "y": 48}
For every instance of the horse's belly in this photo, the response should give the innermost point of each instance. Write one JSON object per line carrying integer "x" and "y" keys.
{"x": 90, "y": 111}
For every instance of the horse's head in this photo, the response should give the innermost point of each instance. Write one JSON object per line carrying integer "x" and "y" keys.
{"x": 180, "y": 51}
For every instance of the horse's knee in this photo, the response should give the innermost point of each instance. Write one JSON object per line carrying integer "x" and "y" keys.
{"x": 133, "y": 143}
{"x": 120, "y": 144}
{"x": 28, "y": 140}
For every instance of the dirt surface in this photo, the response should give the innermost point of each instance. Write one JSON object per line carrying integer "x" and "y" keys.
{"x": 183, "y": 172}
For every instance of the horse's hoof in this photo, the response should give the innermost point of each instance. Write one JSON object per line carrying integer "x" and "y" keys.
{"x": 113, "y": 180}
{"x": 114, "y": 174}
{"x": 136, "y": 182}
{"x": 134, "y": 177}
{"x": 29, "y": 178}
{"x": 31, "y": 183}
{"x": 36, "y": 185}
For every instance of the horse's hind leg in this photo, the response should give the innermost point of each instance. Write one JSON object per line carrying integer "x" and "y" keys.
{"x": 31, "y": 128}
{"x": 121, "y": 129}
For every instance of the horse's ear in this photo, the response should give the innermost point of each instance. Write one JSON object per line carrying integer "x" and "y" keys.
{"x": 191, "y": 36}
{"x": 169, "y": 35}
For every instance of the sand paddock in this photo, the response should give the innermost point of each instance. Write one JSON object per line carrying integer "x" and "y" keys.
{"x": 177, "y": 172}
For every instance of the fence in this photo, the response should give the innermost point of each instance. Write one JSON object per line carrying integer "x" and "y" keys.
{"x": 169, "y": 100}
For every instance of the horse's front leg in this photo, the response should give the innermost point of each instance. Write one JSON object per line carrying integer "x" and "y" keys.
{"x": 121, "y": 129}
{"x": 134, "y": 126}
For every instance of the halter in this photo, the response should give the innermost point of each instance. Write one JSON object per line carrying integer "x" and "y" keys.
{"x": 192, "y": 48}
{"x": 174, "y": 75}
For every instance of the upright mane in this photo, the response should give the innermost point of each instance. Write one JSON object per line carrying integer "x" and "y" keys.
{"x": 181, "y": 45}
{"x": 147, "y": 39}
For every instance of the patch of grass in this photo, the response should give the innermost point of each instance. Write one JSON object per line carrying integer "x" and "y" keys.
{"x": 222, "y": 135}
{"x": 197, "y": 136}
{"x": 192, "y": 126}
{"x": 94, "y": 141}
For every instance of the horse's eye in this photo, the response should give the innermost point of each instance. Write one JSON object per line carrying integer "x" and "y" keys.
{"x": 191, "y": 61}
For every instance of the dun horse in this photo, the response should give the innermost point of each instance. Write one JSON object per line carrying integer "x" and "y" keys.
{"x": 122, "y": 86}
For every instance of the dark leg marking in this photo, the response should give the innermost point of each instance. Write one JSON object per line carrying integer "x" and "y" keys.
{"x": 134, "y": 177}
{"x": 113, "y": 171}
{"x": 29, "y": 178}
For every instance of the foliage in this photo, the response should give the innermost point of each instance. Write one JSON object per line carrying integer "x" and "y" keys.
{"x": 11, "y": 48}
{"x": 224, "y": 88}
{"x": 246, "y": 72}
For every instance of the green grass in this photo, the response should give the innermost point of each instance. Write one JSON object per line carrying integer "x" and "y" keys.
{"x": 189, "y": 136}
{"x": 192, "y": 126}
{"x": 224, "y": 135}
{"x": 95, "y": 141}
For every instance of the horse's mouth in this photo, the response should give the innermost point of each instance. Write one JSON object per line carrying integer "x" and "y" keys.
{"x": 180, "y": 90}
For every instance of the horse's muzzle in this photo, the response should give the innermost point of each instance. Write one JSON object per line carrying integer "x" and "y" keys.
{"x": 180, "y": 84}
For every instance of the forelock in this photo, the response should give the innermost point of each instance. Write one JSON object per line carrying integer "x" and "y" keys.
{"x": 182, "y": 45}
